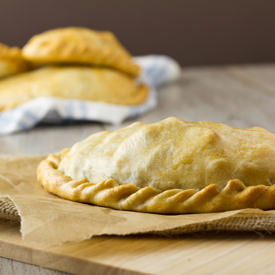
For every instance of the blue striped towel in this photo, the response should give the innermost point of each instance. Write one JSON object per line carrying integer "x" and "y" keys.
{"x": 156, "y": 70}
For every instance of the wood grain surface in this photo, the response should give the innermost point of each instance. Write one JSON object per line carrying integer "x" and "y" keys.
{"x": 204, "y": 253}
{"x": 241, "y": 96}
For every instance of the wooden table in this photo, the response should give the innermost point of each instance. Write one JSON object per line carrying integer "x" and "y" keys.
{"x": 241, "y": 96}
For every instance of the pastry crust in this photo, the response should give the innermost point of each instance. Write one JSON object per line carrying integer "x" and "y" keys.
{"x": 11, "y": 61}
{"x": 81, "y": 46}
{"x": 245, "y": 177}
{"x": 81, "y": 83}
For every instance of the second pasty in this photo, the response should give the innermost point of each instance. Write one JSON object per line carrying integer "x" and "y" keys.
{"x": 82, "y": 83}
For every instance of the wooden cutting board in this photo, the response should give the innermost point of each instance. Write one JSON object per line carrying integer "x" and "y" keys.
{"x": 207, "y": 253}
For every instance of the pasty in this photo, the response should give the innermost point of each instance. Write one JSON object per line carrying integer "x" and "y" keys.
{"x": 11, "y": 61}
{"x": 81, "y": 46}
{"x": 82, "y": 83}
{"x": 172, "y": 166}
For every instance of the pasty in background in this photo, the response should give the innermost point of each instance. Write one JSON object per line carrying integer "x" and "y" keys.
{"x": 11, "y": 61}
{"x": 82, "y": 83}
{"x": 81, "y": 46}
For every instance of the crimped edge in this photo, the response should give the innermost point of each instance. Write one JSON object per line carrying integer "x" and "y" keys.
{"x": 109, "y": 193}
{"x": 138, "y": 98}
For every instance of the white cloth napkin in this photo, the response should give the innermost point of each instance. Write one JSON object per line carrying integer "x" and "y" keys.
{"x": 156, "y": 70}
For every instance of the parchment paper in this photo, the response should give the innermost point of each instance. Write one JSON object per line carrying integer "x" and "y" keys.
{"x": 52, "y": 220}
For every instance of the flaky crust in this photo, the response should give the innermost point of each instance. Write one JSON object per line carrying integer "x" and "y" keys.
{"x": 11, "y": 61}
{"x": 81, "y": 46}
{"x": 109, "y": 193}
{"x": 78, "y": 82}
{"x": 172, "y": 166}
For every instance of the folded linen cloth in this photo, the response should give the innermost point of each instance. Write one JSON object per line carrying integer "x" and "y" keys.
{"x": 156, "y": 70}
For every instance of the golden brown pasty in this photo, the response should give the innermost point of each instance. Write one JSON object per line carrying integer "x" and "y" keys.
{"x": 11, "y": 61}
{"x": 172, "y": 166}
{"x": 82, "y": 83}
{"x": 80, "y": 45}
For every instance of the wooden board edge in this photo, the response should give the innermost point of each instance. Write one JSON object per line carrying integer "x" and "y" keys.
{"x": 57, "y": 261}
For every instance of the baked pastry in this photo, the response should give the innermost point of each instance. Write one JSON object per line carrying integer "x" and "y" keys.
{"x": 82, "y": 83}
{"x": 82, "y": 46}
{"x": 172, "y": 166}
{"x": 11, "y": 61}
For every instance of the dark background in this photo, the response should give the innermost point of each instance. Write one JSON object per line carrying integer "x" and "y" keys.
{"x": 195, "y": 32}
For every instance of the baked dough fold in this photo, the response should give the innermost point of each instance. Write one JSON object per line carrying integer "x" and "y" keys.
{"x": 172, "y": 166}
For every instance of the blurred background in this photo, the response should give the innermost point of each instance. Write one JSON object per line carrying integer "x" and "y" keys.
{"x": 195, "y": 32}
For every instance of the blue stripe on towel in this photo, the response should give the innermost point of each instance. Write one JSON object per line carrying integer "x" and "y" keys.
{"x": 69, "y": 110}
{"x": 30, "y": 116}
{"x": 22, "y": 126}
{"x": 83, "y": 110}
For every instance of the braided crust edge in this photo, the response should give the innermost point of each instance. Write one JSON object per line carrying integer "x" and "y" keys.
{"x": 109, "y": 193}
